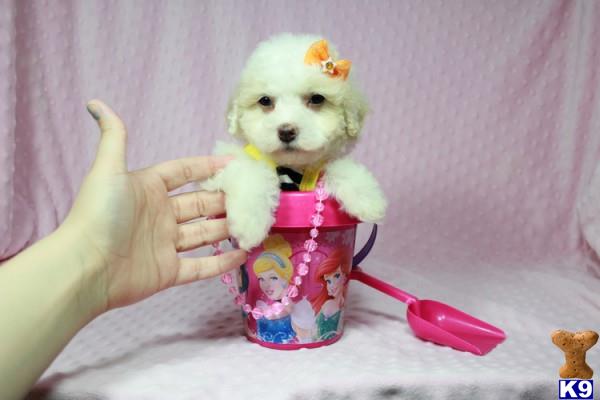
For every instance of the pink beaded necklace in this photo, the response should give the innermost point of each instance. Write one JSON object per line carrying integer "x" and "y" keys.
{"x": 310, "y": 245}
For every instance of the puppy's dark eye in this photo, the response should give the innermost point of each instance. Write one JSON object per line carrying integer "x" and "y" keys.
{"x": 316, "y": 99}
{"x": 265, "y": 101}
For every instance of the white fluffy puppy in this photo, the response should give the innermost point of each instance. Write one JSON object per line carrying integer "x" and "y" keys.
{"x": 296, "y": 115}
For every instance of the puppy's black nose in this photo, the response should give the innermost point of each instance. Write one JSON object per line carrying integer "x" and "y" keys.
{"x": 287, "y": 133}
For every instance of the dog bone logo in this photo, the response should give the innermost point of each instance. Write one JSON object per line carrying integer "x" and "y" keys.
{"x": 574, "y": 345}
{"x": 318, "y": 54}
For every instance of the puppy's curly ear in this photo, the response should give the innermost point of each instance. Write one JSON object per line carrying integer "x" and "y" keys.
{"x": 233, "y": 117}
{"x": 355, "y": 109}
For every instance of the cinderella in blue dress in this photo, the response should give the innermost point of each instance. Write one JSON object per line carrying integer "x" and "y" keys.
{"x": 276, "y": 330}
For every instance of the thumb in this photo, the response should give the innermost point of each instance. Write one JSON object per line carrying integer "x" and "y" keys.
{"x": 112, "y": 150}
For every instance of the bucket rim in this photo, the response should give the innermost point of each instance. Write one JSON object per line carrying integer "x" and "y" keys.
{"x": 295, "y": 210}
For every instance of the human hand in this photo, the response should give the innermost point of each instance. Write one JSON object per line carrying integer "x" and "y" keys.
{"x": 133, "y": 230}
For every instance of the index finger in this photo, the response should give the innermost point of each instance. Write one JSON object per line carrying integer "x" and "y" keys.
{"x": 176, "y": 173}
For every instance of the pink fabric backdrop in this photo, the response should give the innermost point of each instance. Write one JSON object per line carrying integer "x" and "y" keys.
{"x": 484, "y": 128}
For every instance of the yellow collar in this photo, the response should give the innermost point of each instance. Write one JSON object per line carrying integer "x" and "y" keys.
{"x": 309, "y": 177}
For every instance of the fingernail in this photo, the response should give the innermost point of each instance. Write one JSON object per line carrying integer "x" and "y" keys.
{"x": 94, "y": 110}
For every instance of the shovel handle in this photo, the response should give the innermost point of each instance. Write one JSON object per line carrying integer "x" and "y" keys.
{"x": 361, "y": 276}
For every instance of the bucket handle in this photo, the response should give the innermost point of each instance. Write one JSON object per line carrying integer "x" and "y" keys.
{"x": 362, "y": 254}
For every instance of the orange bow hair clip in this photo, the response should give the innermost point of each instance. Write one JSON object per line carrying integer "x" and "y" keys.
{"x": 318, "y": 54}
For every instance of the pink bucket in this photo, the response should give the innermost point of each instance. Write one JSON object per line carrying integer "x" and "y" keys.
{"x": 315, "y": 317}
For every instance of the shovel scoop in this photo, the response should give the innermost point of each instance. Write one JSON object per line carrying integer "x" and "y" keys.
{"x": 438, "y": 322}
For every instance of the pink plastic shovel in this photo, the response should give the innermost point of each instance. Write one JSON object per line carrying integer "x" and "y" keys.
{"x": 434, "y": 321}
{"x": 438, "y": 322}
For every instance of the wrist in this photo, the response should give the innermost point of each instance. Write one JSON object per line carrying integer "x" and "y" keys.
{"x": 84, "y": 267}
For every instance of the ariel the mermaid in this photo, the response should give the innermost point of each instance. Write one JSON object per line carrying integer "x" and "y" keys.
{"x": 332, "y": 274}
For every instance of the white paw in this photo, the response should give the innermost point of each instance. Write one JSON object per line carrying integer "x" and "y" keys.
{"x": 251, "y": 197}
{"x": 367, "y": 207}
{"x": 249, "y": 226}
{"x": 356, "y": 190}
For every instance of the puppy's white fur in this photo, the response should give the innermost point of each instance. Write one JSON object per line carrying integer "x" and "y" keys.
{"x": 325, "y": 132}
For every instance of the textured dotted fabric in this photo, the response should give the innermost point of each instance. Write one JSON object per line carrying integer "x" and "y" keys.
{"x": 484, "y": 132}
